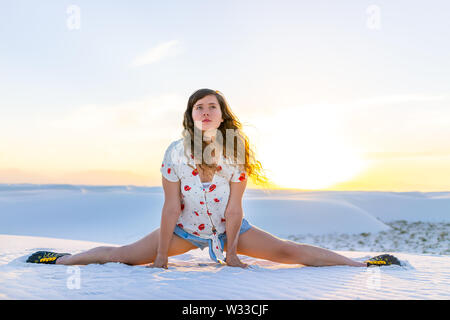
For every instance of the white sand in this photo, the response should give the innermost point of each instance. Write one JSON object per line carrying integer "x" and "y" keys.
{"x": 194, "y": 276}
{"x": 372, "y": 223}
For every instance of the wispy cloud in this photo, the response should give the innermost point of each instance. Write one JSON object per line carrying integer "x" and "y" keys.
{"x": 161, "y": 51}
{"x": 400, "y": 155}
{"x": 401, "y": 98}
{"x": 129, "y": 134}
{"x": 155, "y": 112}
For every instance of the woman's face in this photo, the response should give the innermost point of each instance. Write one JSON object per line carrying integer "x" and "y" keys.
{"x": 205, "y": 109}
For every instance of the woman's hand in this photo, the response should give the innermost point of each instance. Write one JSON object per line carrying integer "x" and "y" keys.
{"x": 233, "y": 261}
{"x": 161, "y": 261}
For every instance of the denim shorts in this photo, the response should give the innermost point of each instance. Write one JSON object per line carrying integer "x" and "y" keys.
{"x": 203, "y": 243}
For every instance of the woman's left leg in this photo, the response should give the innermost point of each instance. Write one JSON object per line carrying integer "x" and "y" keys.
{"x": 260, "y": 244}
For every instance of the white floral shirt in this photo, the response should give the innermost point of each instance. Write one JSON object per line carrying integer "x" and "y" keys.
{"x": 202, "y": 208}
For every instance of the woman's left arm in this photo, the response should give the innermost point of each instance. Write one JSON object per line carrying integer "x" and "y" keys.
{"x": 234, "y": 215}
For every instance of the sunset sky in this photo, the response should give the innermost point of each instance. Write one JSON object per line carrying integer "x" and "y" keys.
{"x": 335, "y": 95}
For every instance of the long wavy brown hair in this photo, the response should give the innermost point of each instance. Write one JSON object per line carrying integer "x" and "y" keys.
{"x": 251, "y": 165}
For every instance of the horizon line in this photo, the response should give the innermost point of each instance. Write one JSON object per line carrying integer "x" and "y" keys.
{"x": 248, "y": 188}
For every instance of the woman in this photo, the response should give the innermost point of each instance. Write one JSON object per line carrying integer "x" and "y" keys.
{"x": 204, "y": 178}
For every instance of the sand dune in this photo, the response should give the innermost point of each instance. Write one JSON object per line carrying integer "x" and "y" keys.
{"x": 194, "y": 276}
{"x": 66, "y": 218}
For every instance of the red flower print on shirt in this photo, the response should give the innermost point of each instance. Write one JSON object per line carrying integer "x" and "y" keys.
{"x": 201, "y": 227}
{"x": 222, "y": 220}
{"x": 216, "y": 200}
{"x": 187, "y": 188}
{"x": 180, "y": 225}
{"x": 212, "y": 187}
{"x": 182, "y": 206}
{"x": 219, "y": 168}
{"x": 196, "y": 213}
{"x": 168, "y": 170}
{"x": 196, "y": 233}
{"x": 162, "y": 165}
{"x": 201, "y": 202}
{"x": 209, "y": 213}
{"x": 195, "y": 172}
{"x": 242, "y": 177}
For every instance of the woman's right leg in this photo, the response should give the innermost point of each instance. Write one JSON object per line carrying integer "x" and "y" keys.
{"x": 140, "y": 252}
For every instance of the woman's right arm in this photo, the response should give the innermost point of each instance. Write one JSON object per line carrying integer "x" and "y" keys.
{"x": 170, "y": 213}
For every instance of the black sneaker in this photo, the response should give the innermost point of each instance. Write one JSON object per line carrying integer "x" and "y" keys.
{"x": 45, "y": 257}
{"x": 382, "y": 260}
